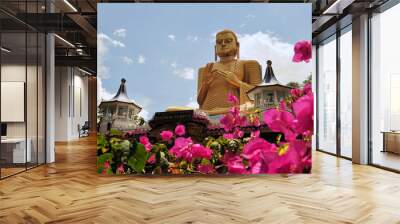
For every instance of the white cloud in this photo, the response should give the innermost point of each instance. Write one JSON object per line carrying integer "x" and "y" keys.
{"x": 104, "y": 42}
{"x": 250, "y": 16}
{"x": 127, "y": 60}
{"x": 185, "y": 73}
{"x": 193, "y": 102}
{"x": 102, "y": 93}
{"x": 141, "y": 59}
{"x": 174, "y": 65}
{"x": 144, "y": 114}
{"x": 120, "y": 32}
{"x": 109, "y": 40}
{"x": 213, "y": 36}
{"x": 192, "y": 38}
{"x": 144, "y": 102}
{"x": 172, "y": 37}
{"x": 265, "y": 46}
{"x": 103, "y": 71}
{"x": 242, "y": 25}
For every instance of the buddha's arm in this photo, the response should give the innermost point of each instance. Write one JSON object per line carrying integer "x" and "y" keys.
{"x": 252, "y": 71}
{"x": 202, "y": 88}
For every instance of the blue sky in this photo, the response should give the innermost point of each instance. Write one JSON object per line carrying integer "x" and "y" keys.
{"x": 158, "y": 48}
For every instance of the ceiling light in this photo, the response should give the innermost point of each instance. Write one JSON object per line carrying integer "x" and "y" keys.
{"x": 70, "y": 5}
{"x": 337, "y": 7}
{"x": 84, "y": 71}
{"x": 65, "y": 41}
{"x": 5, "y": 50}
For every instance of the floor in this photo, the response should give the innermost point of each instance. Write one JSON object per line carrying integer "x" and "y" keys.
{"x": 5, "y": 172}
{"x": 388, "y": 159}
{"x": 70, "y": 191}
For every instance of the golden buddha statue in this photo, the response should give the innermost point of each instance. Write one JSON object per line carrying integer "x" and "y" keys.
{"x": 226, "y": 75}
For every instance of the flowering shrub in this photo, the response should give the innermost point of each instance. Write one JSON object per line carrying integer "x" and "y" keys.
{"x": 232, "y": 153}
{"x": 302, "y": 51}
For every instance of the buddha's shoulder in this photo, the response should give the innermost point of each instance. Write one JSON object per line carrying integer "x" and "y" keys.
{"x": 207, "y": 65}
{"x": 203, "y": 68}
{"x": 249, "y": 62}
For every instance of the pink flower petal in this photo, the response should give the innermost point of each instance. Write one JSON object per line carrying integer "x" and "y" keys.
{"x": 166, "y": 135}
{"x": 180, "y": 130}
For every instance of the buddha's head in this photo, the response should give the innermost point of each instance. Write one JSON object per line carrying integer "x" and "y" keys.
{"x": 226, "y": 44}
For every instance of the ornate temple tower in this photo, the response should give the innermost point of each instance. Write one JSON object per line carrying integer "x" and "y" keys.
{"x": 120, "y": 112}
{"x": 270, "y": 92}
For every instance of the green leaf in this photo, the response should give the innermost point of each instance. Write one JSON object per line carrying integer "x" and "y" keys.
{"x": 138, "y": 160}
{"x": 115, "y": 132}
{"x": 109, "y": 171}
{"x": 103, "y": 158}
{"x": 101, "y": 142}
{"x": 125, "y": 145}
{"x": 120, "y": 145}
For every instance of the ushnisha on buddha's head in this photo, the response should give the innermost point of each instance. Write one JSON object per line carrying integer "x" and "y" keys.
{"x": 226, "y": 44}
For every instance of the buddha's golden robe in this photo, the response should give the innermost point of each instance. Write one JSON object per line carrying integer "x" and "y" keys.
{"x": 213, "y": 98}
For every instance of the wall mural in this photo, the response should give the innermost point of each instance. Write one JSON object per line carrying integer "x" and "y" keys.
{"x": 231, "y": 116}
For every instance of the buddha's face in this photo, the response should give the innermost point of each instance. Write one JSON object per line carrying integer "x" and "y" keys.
{"x": 226, "y": 45}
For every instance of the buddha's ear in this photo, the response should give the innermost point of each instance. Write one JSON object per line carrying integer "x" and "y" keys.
{"x": 237, "y": 51}
{"x": 215, "y": 53}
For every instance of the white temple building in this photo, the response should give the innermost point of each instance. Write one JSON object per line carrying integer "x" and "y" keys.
{"x": 270, "y": 92}
{"x": 120, "y": 112}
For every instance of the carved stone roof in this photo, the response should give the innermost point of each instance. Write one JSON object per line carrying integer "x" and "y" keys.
{"x": 269, "y": 77}
{"x": 268, "y": 80}
{"x": 121, "y": 96}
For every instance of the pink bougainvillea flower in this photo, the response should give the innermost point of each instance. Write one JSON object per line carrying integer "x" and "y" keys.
{"x": 235, "y": 111}
{"x": 205, "y": 168}
{"x": 241, "y": 121}
{"x": 303, "y": 109}
{"x": 296, "y": 93}
{"x": 107, "y": 164}
{"x": 232, "y": 99}
{"x": 307, "y": 89}
{"x": 227, "y": 121}
{"x": 282, "y": 105}
{"x": 181, "y": 147}
{"x": 238, "y": 133}
{"x": 180, "y": 130}
{"x": 235, "y": 164}
{"x": 281, "y": 121}
{"x": 255, "y": 134}
{"x": 255, "y": 121}
{"x": 259, "y": 153}
{"x": 166, "y": 135}
{"x": 145, "y": 141}
{"x": 199, "y": 151}
{"x": 185, "y": 149}
{"x": 302, "y": 51}
{"x": 152, "y": 159}
{"x": 228, "y": 136}
{"x": 293, "y": 160}
{"x": 120, "y": 169}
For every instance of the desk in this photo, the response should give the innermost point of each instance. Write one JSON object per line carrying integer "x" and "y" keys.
{"x": 391, "y": 141}
{"x": 16, "y": 147}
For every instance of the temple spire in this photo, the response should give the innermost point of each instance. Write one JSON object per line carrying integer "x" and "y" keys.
{"x": 121, "y": 94}
{"x": 269, "y": 77}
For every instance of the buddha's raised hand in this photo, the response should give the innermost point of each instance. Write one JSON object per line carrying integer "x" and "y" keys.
{"x": 228, "y": 76}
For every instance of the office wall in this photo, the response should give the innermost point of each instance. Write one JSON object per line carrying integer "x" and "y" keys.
{"x": 15, "y": 72}
{"x": 71, "y": 102}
